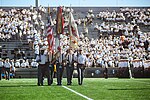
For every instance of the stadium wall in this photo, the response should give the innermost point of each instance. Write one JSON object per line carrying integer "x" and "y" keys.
{"x": 91, "y": 73}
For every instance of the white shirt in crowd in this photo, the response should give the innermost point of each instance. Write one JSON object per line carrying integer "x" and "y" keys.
{"x": 137, "y": 64}
{"x": 123, "y": 64}
{"x": 7, "y": 65}
{"x": 1, "y": 64}
{"x": 27, "y": 63}
{"x": 17, "y": 64}
{"x": 23, "y": 65}
{"x": 146, "y": 64}
{"x": 34, "y": 64}
{"x": 36, "y": 49}
{"x": 110, "y": 63}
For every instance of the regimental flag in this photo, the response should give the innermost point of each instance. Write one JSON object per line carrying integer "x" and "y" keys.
{"x": 60, "y": 21}
{"x": 73, "y": 31}
{"x": 50, "y": 35}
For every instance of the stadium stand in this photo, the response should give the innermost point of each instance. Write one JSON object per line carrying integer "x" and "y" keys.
{"x": 108, "y": 35}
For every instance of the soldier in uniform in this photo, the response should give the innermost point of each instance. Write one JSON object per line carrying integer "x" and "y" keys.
{"x": 82, "y": 59}
{"x": 43, "y": 68}
{"x": 106, "y": 72}
{"x": 69, "y": 66}
{"x": 51, "y": 66}
{"x": 59, "y": 68}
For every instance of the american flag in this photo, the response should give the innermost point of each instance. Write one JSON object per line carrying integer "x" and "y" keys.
{"x": 50, "y": 35}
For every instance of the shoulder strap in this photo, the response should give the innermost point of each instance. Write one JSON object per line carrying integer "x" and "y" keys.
{"x": 62, "y": 57}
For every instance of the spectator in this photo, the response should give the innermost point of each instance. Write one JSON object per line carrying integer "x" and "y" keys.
{"x": 17, "y": 64}
{"x": 27, "y": 64}
{"x": 23, "y": 64}
{"x": 7, "y": 67}
{"x": 13, "y": 68}
{"x": 1, "y": 67}
{"x": 34, "y": 64}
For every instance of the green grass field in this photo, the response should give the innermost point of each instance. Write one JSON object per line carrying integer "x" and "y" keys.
{"x": 94, "y": 88}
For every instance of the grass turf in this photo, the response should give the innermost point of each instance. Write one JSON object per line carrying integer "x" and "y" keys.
{"x": 95, "y": 88}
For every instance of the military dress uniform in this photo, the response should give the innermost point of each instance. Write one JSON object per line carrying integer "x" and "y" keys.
{"x": 51, "y": 67}
{"x": 43, "y": 69}
{"x": 81, "y": 67}
{"x": 69, "y": 68}
{"x": 59, "y": 69}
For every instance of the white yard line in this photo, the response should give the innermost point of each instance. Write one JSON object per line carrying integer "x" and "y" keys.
{"x": 77, "y": 93}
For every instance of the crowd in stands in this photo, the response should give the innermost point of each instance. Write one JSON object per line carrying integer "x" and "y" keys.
{"x": 21, "y": 23}
{"x": 135, "y": 15}
{"x": 130, "y": 42}
{"x": 111, "y": 16}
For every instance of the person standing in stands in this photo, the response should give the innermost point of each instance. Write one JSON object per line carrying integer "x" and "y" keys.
{"x": 82, "y": 59}
{"x": 12, "y": 68}
{"x": 43, "y": 68}
{"x": 69, "y": 66}
{"x": 1, "y": 66}
{"x": 17, "y": 64}
{"x": 7, "y": 67}
{"x": 146, "y": 43}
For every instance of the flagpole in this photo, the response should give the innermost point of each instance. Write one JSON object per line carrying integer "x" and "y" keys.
{"x": 59, "y": 39}
{"x": 69, "y": 24}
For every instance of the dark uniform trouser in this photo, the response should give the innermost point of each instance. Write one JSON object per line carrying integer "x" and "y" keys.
{"x": 106, "y": 73}
{"x": 59, "y": 69}
{"x": 7, "y": 72}
{"x": 51, "y": 67}
{"x": 0, "y": 73}
{"x": 80, "y": 69}
{"x": 69, "y": 71}
{"x": 43, "y": 70}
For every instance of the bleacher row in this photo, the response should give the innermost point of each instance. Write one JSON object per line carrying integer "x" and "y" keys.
{"x": 11, "y": 48}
